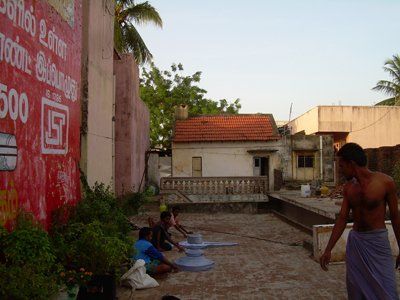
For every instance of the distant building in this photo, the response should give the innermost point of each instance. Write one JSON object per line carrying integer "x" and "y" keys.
{"x": 246, "y": 145}
{"x": 369, "y": 126}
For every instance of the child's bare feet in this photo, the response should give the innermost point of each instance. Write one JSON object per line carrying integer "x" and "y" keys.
{"x": 160, "y": 276}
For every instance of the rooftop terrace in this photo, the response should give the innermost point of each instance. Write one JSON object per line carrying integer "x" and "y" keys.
{"x": 269, "y": 263}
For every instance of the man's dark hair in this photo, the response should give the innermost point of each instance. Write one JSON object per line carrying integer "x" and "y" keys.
{"x": 353, "y": 152}
{"x": 176, "y": 208}
{"x": 165, "y": 214}
{"x": 144, "y": 232}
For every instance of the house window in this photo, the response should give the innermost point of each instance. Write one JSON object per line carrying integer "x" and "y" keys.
{"x": 197, "y": 167}
{"x": 305, "y": 161}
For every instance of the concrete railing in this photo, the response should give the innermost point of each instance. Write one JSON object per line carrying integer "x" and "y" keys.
{"x": 216, "y": 185}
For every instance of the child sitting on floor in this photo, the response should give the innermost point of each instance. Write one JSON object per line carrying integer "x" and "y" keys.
{"x": 175, "y": 222}
{"x": 155, "y": 261}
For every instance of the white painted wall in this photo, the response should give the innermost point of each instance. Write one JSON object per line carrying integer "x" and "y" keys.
{"x": 223, "y": 158}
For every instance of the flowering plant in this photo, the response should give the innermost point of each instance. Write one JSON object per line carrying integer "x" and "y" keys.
{"x": 72, "y": 278}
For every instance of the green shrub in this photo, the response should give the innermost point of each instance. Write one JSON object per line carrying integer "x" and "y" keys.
{"x": 95, "y": 236}
{"x": 99, "y": 252}
{"x": 28, "y": 268}
{"x": 132, "y": 202}
{"x": 99, "y": 204}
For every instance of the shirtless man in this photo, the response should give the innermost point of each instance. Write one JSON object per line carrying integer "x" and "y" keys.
{"x": 369, "y": 262}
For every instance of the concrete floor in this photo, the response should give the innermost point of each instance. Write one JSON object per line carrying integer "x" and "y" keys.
{"x": 275, "y": 268}
{"x": 323, "y": 206}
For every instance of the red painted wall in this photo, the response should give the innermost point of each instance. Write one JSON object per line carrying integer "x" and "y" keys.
{"x": 40, "y": 71}
{"x": 132, "y": 127}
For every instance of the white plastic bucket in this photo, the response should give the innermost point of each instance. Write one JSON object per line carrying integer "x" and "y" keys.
{"x": 305, "y": 190}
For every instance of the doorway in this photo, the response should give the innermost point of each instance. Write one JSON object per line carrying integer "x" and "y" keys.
{"x": 261, "y": 166}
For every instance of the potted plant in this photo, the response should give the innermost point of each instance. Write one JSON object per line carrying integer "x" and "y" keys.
{"x": 95, "y": 237}
{"x": 103, "y": 254}
{"x": 72, "y": 281}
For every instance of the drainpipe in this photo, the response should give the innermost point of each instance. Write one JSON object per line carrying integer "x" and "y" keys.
{"x": 321, "y": 167}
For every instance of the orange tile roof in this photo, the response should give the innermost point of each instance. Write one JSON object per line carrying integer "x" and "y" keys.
{"x": 224, "y": 128}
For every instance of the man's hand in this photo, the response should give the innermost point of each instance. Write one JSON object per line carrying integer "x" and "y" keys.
{"x": 325, "y": 260}
{"x": 398, "y": 262}
{"x": 175, "y": 267}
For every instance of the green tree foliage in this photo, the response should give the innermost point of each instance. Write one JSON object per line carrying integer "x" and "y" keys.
{"x": 391, "y": 87}
{"x": 162, "y": 91}
{"x": 126, "y": 36}
{"x": 387, "y": 102}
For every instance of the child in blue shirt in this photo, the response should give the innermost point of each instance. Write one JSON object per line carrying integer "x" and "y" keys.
{"x": 156, "y": 263}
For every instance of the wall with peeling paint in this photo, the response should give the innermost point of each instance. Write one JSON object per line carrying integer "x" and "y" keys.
{"x": 132, "y": 127}
{"x": 225, "y": 158}
{"x": 98, "y": 92}
{"x": 40, "y": 63}
{"x": 236, "y": 159}
{"x": 368, "y": 126}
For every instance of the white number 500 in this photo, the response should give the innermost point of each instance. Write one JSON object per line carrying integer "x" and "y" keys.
{"x": 13, "y": 104}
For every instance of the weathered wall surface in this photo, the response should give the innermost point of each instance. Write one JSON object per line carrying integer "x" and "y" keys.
{"x": 223, "y": 159}
{"x": 153, "y": 174}
{"x": 98, "y": 91}
{"x": 376, "y": 127}
{"x": 141, "y": 139}
{"x": 40, "y": 63}
{"x": 312, "y": 144}
{"x": 383, "y": 159}
{"x": 307, "y": 122}
{"x": 369, "y": 126}
{"x": 236, "y": 159}
{"x": 132, "y": 127}
{"x": 158, "y": 167}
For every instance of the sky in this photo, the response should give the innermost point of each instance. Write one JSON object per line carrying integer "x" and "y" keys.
{"x": 274, "y": 53}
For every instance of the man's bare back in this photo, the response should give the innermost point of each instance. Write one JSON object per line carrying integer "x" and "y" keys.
{"x": 367, "y": 201}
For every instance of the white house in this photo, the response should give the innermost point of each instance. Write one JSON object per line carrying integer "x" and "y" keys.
{"x": 246, "y": 145}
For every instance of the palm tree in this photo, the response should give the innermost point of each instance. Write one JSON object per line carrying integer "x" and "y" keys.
{"x": 391, "y": 88}
{"x": 126, "y": 37}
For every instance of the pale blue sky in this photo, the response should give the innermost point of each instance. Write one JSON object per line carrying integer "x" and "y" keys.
{"x": 272, "y": 53}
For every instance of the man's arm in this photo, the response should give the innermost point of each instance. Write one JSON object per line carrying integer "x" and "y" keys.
{"x": 155, "y": 254}
{"x": 391, "y": 198}
{"x": 337, "y": 231}
{"x": 180, "y": 229}
{"x": 158, "y": 238}
{"x": 169, "y": 239}
{"x": 184, "y": 229}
